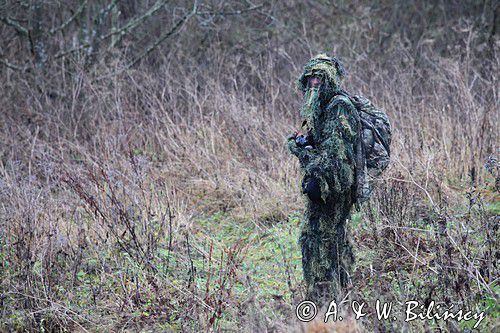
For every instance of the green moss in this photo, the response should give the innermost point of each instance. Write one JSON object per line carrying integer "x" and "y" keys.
{"x": 493, "y": 208}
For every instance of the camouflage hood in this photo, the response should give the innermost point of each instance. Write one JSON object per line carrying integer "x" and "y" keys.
{"x": 327, "y": 67}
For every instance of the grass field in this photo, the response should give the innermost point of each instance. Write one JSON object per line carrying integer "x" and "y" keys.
{"x": 162, "y": 197}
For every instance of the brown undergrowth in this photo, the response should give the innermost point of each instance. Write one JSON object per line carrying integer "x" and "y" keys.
{"x": 162, "y": 198}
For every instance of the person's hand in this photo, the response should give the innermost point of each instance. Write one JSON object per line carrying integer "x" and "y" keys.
{"x": 293, "y": 136}
{"x": 300, "y": 145}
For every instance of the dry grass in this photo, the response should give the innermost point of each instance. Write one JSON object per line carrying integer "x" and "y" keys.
{"x": 160, "y": 197}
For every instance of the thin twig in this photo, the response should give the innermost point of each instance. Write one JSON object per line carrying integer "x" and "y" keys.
{"x": 236, "y": 12}
{"x": 70, "y": 19}
{"x": 478, "y": 274}
{"x": 161, "y": 39}
{"x": 19, "y": 28}
{"x": 130, "y": 25}
{"x": 12, "y": 66}
{"x": 136, "y": 21}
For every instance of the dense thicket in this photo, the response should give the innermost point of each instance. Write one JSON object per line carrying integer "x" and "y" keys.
{"x": 130, "y": 130}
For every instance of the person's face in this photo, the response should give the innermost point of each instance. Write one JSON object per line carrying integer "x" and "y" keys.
{"x": 314, "y": 82}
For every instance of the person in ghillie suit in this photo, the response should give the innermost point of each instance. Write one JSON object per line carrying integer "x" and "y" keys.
{"x": 330, "y": 155}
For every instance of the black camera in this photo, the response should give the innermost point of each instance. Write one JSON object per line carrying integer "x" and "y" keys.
{"x": 302, "y": 140}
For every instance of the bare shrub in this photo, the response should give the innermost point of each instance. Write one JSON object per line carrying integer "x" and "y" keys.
{"x": 113, "y": 181}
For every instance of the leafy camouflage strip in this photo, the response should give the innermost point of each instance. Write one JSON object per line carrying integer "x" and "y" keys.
{"x": 327, "y": 254}
{"x": 322, "y": 64}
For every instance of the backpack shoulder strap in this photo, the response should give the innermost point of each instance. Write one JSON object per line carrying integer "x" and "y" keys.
{"x": 342, "y": 98}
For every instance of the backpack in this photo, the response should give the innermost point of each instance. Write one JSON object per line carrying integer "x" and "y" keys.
{"x": 373, "y": 150}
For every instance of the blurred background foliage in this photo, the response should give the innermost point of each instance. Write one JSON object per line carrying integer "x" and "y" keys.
{"x": 145, "y": 184}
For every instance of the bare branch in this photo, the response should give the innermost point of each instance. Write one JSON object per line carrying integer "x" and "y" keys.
{"x": 130, "y": 25}
{"x": 106, "y": 10}
{"x": 71, "y": 18}
{"x": 12, "y": 66}
{"x": 236, "y": 12}
{"x": 148, "y": 50}
{"x": 19, "y": 28}
{"x": 176, "y": 27}
{"x": 75, "y": 49}
{"x": 138, "y": 20}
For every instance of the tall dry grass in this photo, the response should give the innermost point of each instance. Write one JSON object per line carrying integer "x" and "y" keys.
{"x": 105, "y": 177}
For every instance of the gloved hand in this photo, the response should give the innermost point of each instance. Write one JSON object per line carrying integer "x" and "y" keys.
{"x": 311, "y": 187}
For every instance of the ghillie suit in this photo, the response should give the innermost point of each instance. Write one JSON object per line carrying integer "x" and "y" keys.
{"x": 331, "y": 155}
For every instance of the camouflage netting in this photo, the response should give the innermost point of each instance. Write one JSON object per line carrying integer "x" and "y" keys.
{"x": 329, "y": 182}
{"x": 321, "y": 65}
